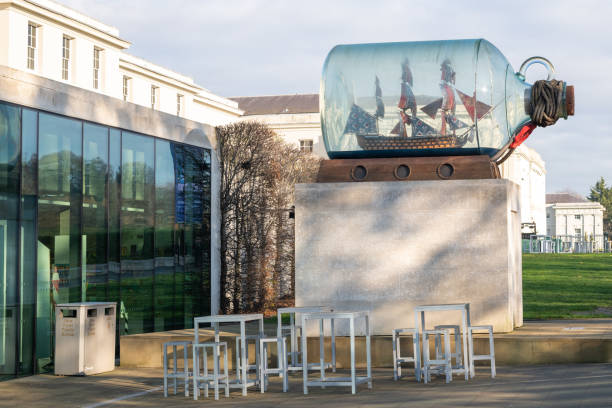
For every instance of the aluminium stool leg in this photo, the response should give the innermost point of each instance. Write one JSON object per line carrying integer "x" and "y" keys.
{"x": 165, "y": 371}
{"x": 285, "y": 370}
{"x": 396, "y": 367}
{"x": 174, "y": 367}
{"x": 216, "y": 371}
{"x": 186, "y": 371}
{"x": 226, "y": 371}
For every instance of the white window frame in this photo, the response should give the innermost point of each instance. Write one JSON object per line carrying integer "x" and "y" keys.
{"x": 32, "y": 50}
{"x": 154, "y": 96}
{"x": 127, "y": 82}
{"x": 306, "y": 145}
{"x": 180, "y": 105}
{"x": 66, "y": 57}
{"x": 97, "y": 67}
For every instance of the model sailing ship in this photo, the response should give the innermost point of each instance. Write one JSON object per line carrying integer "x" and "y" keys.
{"x": 412, "y": 132}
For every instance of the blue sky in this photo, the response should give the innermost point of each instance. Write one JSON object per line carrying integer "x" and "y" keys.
{"x": 268, "y": 47}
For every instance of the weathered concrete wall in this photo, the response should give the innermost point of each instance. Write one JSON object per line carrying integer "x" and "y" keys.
{"x": 389, "y": 246}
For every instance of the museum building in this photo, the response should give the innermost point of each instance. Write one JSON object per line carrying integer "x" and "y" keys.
{"x": 101, "y": 198}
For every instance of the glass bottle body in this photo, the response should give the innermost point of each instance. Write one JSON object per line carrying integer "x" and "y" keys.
{"x": 457, "y": 97}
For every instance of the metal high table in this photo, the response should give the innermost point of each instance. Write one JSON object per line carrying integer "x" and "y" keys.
{"x": 464, "y": 308}
{"x": 295, "y": 364}
{"x": 351, "y": 381}
{"x": 242, "y": 382}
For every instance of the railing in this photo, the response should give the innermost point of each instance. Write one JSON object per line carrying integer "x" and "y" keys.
{"x": 567, "y": 244}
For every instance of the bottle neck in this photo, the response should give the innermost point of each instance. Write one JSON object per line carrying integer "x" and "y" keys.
{"x": 542, "y": 103}
{"x": 518, "y": 99}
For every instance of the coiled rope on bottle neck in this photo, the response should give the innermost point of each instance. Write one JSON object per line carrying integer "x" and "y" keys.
{"x": 545, "y": 104}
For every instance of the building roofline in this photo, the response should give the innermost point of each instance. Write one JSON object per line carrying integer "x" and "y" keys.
{"x": 268, "y": 96}
{"x": 216, "y": 101}
{"x": 156, "y": 72}
{"x": 590, "y": 204}
{"x": 79, "y": 21}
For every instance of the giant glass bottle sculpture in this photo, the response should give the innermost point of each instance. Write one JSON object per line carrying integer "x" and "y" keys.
{"x": 432, "y": 98}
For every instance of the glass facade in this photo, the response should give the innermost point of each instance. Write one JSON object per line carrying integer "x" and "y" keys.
{"x": 92, "y": 213}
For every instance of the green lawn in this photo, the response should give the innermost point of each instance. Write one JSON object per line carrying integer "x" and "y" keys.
{"x": 567, "y": 286}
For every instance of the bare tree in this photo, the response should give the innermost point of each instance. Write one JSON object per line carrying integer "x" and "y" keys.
{"x": 258, "y": 172}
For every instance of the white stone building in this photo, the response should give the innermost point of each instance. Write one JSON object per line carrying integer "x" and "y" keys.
{"x": 571, "y": 217}
{"x": 296, "y": 118}
{"x": 527, "y": 169}
{"x": 53, "y": 41}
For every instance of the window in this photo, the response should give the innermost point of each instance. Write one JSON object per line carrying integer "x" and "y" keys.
{"x": 126, "y": 87}
{"x": 306, "y": 146}
{"x": 577, "y": 217}
{"x": 66, "y": 58}
{"x": 96, "y": 67}
{"x": 179, "y": 104}
{"x": 32, "y": 43}
{"x": 578, "y": 232}
{"x": 154, "y": 96}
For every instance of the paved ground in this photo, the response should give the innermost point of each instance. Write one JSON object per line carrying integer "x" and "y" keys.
{"x": 583, "y": 385}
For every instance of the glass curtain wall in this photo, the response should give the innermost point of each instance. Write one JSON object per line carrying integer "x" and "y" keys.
{"x": 10, "y": 128}
{"x": 29, "y": 238}
{"x": 137, "y": 223}
{"x": 60, "y": 270}
{"x": 92, "y": 213}
{"x": 95, "y": 205}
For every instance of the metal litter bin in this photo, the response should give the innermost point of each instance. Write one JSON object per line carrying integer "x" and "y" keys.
{"x": 85, "y": 338}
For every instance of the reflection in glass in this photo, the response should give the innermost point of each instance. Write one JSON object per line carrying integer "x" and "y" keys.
{"x": 182, "y": 234}
{"x": 114, "y": 214}
{"x": 167, "y": 268}
{"x": 137, "y": 221}
{"x": 29, "y": 176}
{"x": 196, "y": 189}
{"x": 9, "y": 235}
{"x": 60, "y": 275}
{"x": 95, "y": 234}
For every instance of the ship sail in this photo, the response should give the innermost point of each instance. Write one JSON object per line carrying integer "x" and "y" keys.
{"x": 380, "y": 106}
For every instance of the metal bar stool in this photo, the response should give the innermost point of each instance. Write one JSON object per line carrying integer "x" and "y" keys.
{"x": 490, "y": 356}
{"x": 250, "y": 367}
{"x": 184, "y": 374}
{"x": 441, "y": 365}
{"x": 202, "y": 375}
{"x": 458, "y": 354}
{"x": 397, "y": 355}
{"x": 280, "y": 369}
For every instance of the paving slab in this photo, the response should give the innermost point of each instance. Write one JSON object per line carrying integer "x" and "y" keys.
{"x": 579, "y": 385}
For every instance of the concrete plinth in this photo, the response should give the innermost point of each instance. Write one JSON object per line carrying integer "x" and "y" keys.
{"x": 389, "y": 246}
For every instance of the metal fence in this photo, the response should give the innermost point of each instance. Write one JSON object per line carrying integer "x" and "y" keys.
{"x": 566, "y": 244}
